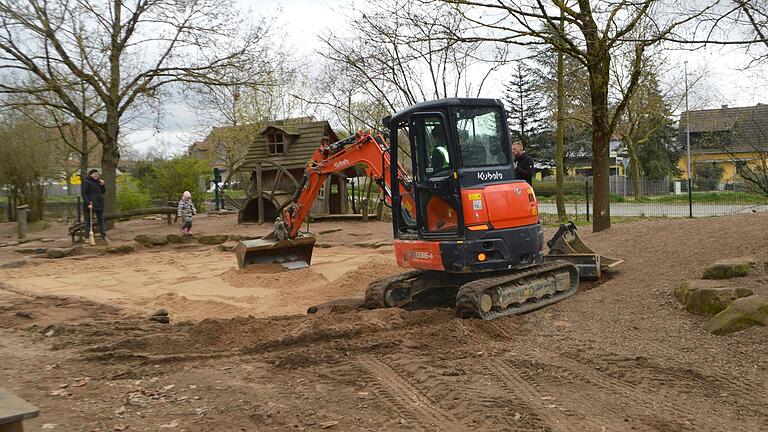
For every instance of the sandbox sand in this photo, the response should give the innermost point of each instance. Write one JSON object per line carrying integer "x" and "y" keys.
{"x": 194, "y": 285}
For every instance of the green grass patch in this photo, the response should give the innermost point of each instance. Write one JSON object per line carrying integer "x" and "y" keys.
{"x": 62, "y": 198}
{"x": 549, "y": 189}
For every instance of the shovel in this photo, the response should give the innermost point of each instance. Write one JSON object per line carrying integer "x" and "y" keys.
{"x": 91, "y": 238}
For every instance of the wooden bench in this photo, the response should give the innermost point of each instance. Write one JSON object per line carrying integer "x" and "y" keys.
{"x": 77, "y": 230}
{"x": 13, "y": 411}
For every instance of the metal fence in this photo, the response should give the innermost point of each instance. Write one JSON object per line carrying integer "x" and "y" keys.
{"x": 653, "y": 198}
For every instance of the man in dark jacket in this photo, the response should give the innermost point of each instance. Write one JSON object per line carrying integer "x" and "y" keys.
{"x": 523, "y": 163}
{"x": 93, "y": 197}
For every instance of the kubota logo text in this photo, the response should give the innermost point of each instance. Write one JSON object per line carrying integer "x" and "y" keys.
{"x": 485, "y": 176}
{"x": 341, "y": 163}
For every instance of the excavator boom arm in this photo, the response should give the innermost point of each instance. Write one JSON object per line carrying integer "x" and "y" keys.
{"x": 362, "y": 148}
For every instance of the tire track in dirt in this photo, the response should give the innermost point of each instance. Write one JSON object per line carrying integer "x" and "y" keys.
{"x": 485, "y": 406}
{"x": 406, "y": 399}
{"x": 650, "y": 402}
{"x": 544, "y": 414}
{"x": 584, "y": 395}
{"x": 675, "y": 386}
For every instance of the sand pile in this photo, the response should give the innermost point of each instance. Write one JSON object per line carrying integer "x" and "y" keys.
{"x": 354, "y": 282}
{"x": 271, "y": 276}
{"x": 183, "y": 308}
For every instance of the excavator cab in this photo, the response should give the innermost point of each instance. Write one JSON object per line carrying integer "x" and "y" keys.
{"x": 471, "y": 213}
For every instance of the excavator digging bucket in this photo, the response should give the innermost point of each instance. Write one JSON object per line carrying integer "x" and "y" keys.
{"x": 291, "y": 254}
{"x": 567, "y": 245}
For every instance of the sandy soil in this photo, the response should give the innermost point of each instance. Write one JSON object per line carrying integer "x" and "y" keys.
{"x": 620, "y": 355}
{"x": 199, "y": 284}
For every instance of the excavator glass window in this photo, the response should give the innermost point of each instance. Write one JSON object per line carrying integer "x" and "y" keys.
{"x": 437, "y": 161}
{"x": 438, "y": 210}
{"x": 480, "y": 132}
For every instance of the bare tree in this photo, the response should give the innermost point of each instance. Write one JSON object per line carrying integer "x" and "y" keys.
{"x": 754, "y": 14}
{"x": 591, "y": 33}
{"x": 126, "y": 52}
{"x": 646, "y": 114}
{"x": 397, "y": 58}
{"x": 27, "y": 154}
{"x": 231, "y": 116}
{"x": 347, "y": 98}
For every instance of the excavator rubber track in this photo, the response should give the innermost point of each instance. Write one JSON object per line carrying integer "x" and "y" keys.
{"x": 517, "y": 292}
{"x": 379, "y": 292}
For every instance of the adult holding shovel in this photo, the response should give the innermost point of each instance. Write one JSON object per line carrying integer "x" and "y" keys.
{"x": 93, "y": 197}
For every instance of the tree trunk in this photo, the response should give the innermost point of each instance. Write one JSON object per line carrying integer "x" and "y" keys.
{"x": 599, "y": 78}
{"x": 560, "y": 140}
{"x": 109, "y": 159}
{"x": 83, "y": 153}
{"x": 111, "y": 152}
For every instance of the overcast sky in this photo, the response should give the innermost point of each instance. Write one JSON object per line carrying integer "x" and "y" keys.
{"x": 726, "y": 82}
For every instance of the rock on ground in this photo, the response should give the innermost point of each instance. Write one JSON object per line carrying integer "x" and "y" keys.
{"x": 64, "y": 252}
{"x": 741, "y": 314}
{"x": 213, "y": 239}
{"x": 728, "y": 268}
{"x": 121, "y": 249}
{"x": 151, "y": 239}
{"x": 709, "y": 297}
{"x": 56, "y": 252}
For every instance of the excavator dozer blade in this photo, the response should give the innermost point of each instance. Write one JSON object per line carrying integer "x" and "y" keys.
{"x": 291, "y": 254}
{"x": 567, "y": 245}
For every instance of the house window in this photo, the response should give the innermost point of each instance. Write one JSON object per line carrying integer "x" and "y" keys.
{"x": 275, "y": 144}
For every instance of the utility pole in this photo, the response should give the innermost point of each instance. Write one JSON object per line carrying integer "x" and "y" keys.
{"x": 688, "y": 143}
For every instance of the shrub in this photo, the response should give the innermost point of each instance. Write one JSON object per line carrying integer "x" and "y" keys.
{"x": 549, "y": 188}
{"x": 169, "y": 179}
{"x": 130, "y": 194}
{"x": 707, "y": 175}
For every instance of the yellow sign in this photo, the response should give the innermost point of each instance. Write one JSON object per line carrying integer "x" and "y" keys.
{"x": 474, "y": 196}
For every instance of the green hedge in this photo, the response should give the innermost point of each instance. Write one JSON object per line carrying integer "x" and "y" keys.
{"x": 549, "y": 189}
{"x": 130, "y": 194}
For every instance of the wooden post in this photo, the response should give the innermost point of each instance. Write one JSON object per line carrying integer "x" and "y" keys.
{"x": 259, "y": 190}
{"x": 21, "y": 220}
{"x": 364, "y": 208}
{"x": 379, "y": 210}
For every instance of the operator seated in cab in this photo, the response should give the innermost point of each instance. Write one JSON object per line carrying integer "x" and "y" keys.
{"x": 440, "y": 159}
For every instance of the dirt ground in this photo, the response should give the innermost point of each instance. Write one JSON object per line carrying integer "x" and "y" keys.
{"x": 241, "y": 355}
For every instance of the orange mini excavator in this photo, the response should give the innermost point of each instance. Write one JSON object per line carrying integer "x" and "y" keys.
{"x": 461, "y": 222}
